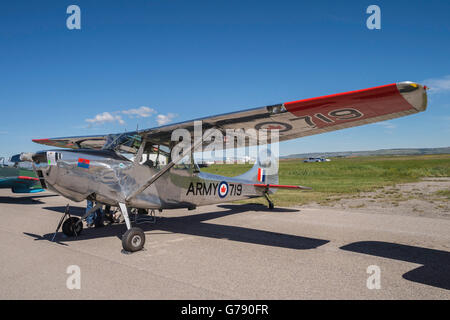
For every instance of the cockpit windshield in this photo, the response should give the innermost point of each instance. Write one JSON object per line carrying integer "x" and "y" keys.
{"x": 123, "y": 142}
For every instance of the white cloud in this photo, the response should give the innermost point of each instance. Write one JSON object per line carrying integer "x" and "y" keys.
{"x": 438, "y": 84}
{"x": 164, "y": 119}
{"x": 143, "y": 112}
{"x": 386, "y": 125}
{"x": 105, "y": 117}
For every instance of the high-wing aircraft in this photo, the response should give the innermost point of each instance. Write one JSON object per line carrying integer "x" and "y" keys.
{"x": 18, "y": 178}
{"x": 94, "y": 167}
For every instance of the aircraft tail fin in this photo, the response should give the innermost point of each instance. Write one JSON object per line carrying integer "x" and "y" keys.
{"x": 265, "y": 169}
{"x": 264, "y": 173}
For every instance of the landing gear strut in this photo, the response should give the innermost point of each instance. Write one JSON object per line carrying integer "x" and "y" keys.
{"x": 134, "y": 238}
{"x": 271, "y": 206}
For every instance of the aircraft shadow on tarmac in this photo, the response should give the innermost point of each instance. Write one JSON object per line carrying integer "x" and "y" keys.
{"x": 194, "y": 224}
{"x": 25, "y": 199}
{"x": 435, "y": 269}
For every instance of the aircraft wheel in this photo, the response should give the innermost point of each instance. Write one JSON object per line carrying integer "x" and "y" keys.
{"x": 72, "y": 227}
{"x": 271, "y": 206}
{"x": 133, "y": 240}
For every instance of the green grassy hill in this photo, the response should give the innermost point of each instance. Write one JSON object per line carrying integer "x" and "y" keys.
{"x": 381, "y": 152}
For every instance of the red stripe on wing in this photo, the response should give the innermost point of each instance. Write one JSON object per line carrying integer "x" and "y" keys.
{"x": 372, "y": 102}
{"x": 27, "y": 178}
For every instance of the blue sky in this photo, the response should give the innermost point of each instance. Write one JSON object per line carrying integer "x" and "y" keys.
{"x": 187, "y": 59}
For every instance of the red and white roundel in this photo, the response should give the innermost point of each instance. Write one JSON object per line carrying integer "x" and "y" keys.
{"x": 222, "y": 189}
{"x": 273, "y": 125}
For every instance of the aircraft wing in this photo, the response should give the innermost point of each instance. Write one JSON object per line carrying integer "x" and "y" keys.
{"x": 21, "y": 184}
{"x": 80, "y": 142}
{"x": 293, "y": 119}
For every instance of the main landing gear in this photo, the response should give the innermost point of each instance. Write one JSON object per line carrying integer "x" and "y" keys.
{"x": 134, "y": 238}
{"x": 72, "y": 227}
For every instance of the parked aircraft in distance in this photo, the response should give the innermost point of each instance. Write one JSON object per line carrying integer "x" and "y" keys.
{"x": 18, "y": 177}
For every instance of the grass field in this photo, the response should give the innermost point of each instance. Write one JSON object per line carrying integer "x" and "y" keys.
{"x": 342, "y": 177}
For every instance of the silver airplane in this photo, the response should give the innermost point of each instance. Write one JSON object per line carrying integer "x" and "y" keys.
{"x": 94, "y": 167}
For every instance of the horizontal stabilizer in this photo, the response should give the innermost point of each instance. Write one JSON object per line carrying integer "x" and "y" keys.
{"x": 280, "y": 186}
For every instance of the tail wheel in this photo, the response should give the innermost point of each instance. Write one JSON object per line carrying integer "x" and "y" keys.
{"x": 133, "y": 240}
{"x": 72, "y": 227}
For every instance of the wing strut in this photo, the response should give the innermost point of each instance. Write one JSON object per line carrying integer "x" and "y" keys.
{"x": 138, "y": 156}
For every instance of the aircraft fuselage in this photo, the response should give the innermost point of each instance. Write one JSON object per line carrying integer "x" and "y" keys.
{"x": 110, "y": 178}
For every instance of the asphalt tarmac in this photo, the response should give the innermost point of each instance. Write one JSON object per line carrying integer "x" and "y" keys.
{"x": 226, "y": 251}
